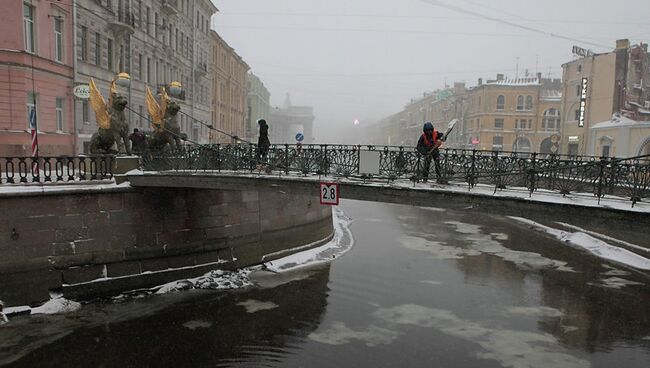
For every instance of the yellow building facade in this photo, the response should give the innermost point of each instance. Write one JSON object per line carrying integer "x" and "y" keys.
{"x": 514, "y": 115}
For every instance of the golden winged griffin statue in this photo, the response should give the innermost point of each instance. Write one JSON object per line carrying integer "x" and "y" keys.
{"x": 111, "y": 119}
{"x": 166, "y": 130}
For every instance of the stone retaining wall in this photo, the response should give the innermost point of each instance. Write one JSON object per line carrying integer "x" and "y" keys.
{"x": 95, "y": 243}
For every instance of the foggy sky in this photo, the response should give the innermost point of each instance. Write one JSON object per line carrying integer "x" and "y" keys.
{"x": 365, "y": 59}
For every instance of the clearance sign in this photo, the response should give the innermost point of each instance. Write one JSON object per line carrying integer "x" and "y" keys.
{"x": 583, "y": 102}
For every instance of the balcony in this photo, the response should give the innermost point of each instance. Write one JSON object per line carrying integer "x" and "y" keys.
{"x": 122, "y": 23}
{"x": 169, "y": 7}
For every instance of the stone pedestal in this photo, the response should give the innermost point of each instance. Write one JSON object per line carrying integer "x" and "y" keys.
{"x": 122, "y": 165}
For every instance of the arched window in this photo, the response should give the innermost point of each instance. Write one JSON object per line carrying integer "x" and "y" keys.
{"x": 520, "y": 103}
{"x": 521, "y": 144}
{"x": 529, "y": 103}
{"x": 551, "y": 120}
{"x": 501, "y": 102}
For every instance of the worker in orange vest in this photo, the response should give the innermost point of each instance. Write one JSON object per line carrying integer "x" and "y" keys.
{"x": 429, "y": 146}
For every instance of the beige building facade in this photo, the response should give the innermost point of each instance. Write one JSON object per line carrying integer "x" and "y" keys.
{"x": 229, "y": 87}
{"x": 607, "y": 103}
{"x": 514, "y": 115}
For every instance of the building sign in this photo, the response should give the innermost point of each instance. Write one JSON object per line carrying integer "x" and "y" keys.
{"x": 579, "y": 51}
{"x": 82, "y": 91}
{"x": 583, "y": 102}
{"x": 329, "y": 193}
{"x": 574, "y": 138}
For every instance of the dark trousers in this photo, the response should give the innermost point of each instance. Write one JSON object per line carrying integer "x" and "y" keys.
{"x": 424, "y": 173}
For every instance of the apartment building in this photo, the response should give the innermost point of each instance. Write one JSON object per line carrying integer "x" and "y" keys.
{"x": 156, "y": 42}
{"x": 518, "y": 115}
{"x": 229, "y": 75}
{"x": 36, "y": 72}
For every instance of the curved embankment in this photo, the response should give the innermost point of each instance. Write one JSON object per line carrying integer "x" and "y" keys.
{"x": 95, "y": 241}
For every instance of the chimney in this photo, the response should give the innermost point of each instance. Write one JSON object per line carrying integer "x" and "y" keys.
{"x": 459, "y": 87}
{"x": 480, "y": 81}
{"x": 499, "y": 77}
{"x": 622, "y": 44}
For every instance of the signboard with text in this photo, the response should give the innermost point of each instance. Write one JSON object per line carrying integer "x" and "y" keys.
{"x": 329, "y": 194}
{"x": 583, "y": 101}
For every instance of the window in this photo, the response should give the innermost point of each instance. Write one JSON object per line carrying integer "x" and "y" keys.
{"x": 497, "y": 143}
{"x": 147, "y": 19}
{"x": 98, "y": 49}
{"x": 551, "y": 120}
{"x": 31, "y": 109}
{"x": 84, "y": 43}
{"x": 176, "y": 40}
{"x": 140, "y": 66}
{"x": 573, "y": 149}
{"x": 155, "y": 25}
{"x": 59, "y": 114}
{"x": 148, "y": 70}
{"x": 140, "y": 116}
{"x": 578, "y": 90}
{"x": 605, "y": 151}
{"x": 501, "y": 102}
{"x": 84, "y": 111}
{"x": 109, "y": 56}
{"x": 577, "y": 115}
{"x": 529, "y": 103}
{"x": 28, "y": 28}
{"x": 498, "y": 123}
{"x": 520, "y": 103}
{"x": 579, "y": 68}
{"x": 523, "y": 124}
{"x": 58, "y": 39}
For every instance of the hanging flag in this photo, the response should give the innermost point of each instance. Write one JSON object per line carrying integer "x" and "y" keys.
{"x": 33, "y": 128}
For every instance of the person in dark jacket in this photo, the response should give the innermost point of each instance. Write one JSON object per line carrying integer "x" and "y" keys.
{"x": 429, "y": 146}
{"x": 263, "y": 142}
{"x": 138, "y": 141}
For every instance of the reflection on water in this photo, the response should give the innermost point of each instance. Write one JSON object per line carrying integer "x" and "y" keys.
{"x": 422, "y": 287}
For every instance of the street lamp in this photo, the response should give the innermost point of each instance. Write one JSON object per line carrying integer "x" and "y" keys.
{"x": 122, "y": 80}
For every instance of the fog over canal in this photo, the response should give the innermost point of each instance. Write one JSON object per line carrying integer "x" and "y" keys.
{"x": 420, "y": 287}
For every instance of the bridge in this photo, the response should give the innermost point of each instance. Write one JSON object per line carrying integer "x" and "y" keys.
{"x": 358, "y": 167}
{"x": 190, "y": 210}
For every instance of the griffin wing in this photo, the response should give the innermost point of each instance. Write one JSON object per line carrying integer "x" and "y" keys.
{"x": 154, "y": 110}
{"x": 99, "y": 105}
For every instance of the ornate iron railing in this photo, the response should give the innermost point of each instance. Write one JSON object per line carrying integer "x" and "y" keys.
{"x": 23, "y": 170}
{"x": 563, "y": 174}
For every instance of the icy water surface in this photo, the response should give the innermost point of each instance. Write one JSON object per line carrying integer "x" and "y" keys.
{"x": 421, "y": 287}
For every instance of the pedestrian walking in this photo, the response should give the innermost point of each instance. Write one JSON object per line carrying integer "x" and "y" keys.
{"x": 263, "y": 142}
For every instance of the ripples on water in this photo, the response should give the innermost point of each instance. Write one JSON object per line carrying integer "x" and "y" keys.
{"x": 421, "y": 288}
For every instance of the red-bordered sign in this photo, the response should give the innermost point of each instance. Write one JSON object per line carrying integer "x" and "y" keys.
{"x": 329, "y": 194}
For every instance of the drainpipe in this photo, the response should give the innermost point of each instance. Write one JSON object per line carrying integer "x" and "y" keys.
{"x": 193, "y": 15}
{"x": 74, "y": 78}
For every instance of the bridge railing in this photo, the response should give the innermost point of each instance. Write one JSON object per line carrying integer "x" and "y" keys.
{"x": 24, "y": 170}
{"x": 563, "y": 174}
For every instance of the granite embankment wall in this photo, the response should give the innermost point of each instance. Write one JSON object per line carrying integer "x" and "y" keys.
{"x": 97, "y": 242}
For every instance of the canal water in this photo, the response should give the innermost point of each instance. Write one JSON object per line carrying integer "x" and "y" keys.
{"x": 420, "y": 287}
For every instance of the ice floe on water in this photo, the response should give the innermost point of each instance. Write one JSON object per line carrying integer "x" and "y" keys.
{"x": 614, "y": 283}
{"x": 56, "y": 305}
{"x": 433, "y": 209}
{"x": 510, "y": 348}
{"x": 253, "y": 306}
{"x": 500, "y": 236}
{"x": 339, "y": 334}
{"x": 431, "y": 282}
{"x": 480, "y": 243}
{"x": 541, "y": 311}
{"x": 593, "y": 245}
{"x": 437, "y": 249}
{"x": 193, "y": 325}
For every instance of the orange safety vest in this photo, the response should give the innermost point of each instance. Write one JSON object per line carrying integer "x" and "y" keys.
{"x": 434, "y": 136}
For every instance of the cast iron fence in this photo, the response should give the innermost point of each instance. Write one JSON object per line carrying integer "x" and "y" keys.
{"x": 628, "y": 177}
{"x": 23, "y": 170}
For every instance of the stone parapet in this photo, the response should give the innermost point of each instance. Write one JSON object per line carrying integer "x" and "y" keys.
{"x": 90, "y": 243}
